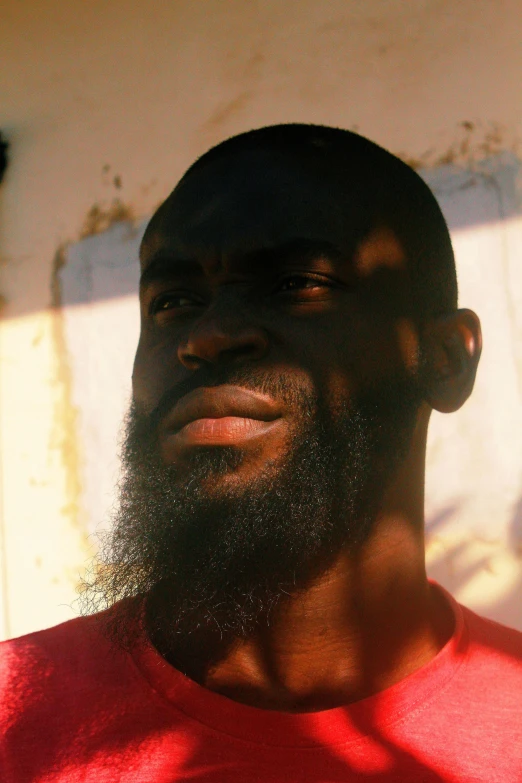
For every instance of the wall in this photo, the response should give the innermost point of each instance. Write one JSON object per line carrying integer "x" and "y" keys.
{"x": 106, "y": 104}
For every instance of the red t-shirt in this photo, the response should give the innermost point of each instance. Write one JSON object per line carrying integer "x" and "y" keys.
{"x": 74, "y": 709}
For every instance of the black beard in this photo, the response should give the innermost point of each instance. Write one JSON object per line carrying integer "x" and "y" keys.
{"x": 215, "y": 566}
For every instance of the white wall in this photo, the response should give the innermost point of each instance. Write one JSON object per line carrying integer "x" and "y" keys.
{"x": 106, "y": 104}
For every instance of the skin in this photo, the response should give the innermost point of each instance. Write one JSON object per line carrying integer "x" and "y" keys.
{"x": 221, "y": 292}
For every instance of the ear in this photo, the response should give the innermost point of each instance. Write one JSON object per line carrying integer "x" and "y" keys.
{"x": 453, "y": 343}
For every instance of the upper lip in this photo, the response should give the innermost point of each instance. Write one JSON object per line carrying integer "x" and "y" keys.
{"x": 218, "y": 401}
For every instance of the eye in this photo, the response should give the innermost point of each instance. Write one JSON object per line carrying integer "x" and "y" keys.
{"x": 173, "y": 301}
{"x": 300, "y": 283}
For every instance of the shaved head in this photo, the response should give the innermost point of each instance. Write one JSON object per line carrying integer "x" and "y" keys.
{"x": 385, "y": 189}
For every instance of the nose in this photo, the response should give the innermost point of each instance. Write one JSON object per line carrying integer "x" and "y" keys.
{"x": 225, "y": 338}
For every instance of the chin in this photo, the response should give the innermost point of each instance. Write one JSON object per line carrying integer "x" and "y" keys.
{"x": 210, "y": 466}
{"x": 227, "y": 461}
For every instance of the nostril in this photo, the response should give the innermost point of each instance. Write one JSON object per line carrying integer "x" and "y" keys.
{"x": 211, "y": 344}
{"x": 250, "y": 350}
{"x": 189, "y": 360}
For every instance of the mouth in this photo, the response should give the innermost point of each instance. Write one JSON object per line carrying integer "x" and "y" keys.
{"x": 220, "y": 416}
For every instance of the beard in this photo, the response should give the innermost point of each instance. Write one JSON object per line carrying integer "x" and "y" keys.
{"x": 207, "y": 564}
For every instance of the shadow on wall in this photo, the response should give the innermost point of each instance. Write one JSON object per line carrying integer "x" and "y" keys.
{"x": 456, "y": 564}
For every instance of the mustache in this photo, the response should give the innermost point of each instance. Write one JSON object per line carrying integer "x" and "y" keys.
{"x": 276, "y": 385}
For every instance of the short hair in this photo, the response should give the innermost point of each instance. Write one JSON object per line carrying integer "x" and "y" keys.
{"x": 389, "y": 191}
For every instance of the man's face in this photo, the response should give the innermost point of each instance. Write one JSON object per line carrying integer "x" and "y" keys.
{"x": 254, "y": 270}
{"x": 275, "y": 393}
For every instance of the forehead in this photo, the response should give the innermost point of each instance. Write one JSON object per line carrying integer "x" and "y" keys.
{"x": 252, "y": 201}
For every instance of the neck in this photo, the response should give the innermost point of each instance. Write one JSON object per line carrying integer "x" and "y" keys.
{"x": 368, "y": 622}
{"x": 360, "y": 628}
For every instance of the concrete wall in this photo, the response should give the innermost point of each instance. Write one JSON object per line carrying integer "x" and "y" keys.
{"x": 105, "y": 105}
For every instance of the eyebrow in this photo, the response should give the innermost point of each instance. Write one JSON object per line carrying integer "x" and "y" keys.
{"x": 165, "y": 265}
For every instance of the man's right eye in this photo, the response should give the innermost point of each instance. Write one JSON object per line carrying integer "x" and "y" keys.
{"x": 173, "y": 301}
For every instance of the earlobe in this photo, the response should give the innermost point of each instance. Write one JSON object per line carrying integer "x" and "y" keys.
{"x": 453, "y": 343}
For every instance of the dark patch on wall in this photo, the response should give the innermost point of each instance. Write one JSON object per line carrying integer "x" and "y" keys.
{"x": 227, "y": 110}
{"x": 59, "y": 262}
{"x": 242, "y": 70}
{"x": 100, "y": 217}
{"x": 474, "y": 142}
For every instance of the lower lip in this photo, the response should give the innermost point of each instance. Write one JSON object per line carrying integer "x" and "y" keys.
{"x": 225, "y": 431}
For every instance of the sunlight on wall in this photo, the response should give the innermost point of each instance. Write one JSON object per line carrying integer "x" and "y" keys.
{"x": 47, "y": 543}
{"x": 484, "y": 575}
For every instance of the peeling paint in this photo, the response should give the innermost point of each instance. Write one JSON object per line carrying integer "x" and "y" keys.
{"x": 64, "y": 432}
{"x": 56, "y": 289}
{"x": 65, "y": 429}
{"x": 100, "y": 217}
{"x": 474, "y": 143}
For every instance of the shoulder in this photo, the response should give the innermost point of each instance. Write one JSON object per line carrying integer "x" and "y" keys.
{"x": 66, "y": 693}
{"x": 53, "y": 666}
{"x": 29, "y": 664}
{"x": 42, "y": 651}
{"x": 495, "y": 639}
{"x": 494, "y": 662}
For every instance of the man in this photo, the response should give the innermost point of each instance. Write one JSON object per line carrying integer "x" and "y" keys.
{"x": 267, "y": 615}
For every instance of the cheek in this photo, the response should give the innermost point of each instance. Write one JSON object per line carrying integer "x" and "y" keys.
{"x": 390, "y": 349}
{"x": 362, "y": 353}
{"x": 407, "y": 336}
{"x": 153, "y": 373}
{"x": 330, "y": 354}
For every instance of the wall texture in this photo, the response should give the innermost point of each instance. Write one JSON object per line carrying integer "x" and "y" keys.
{"x": 105, "y": 105}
